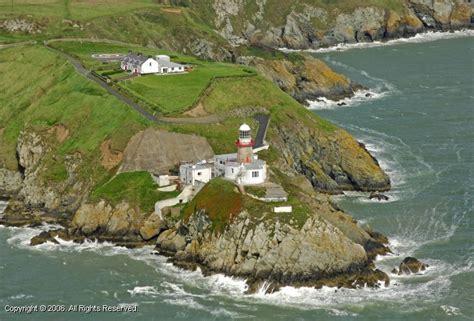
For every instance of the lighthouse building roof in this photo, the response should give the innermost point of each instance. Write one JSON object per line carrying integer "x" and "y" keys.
{"x": 244, "y": 127}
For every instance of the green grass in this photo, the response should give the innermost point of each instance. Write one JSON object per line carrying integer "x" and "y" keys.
{"x": 221, "y": 136}
{"x": 176, "y": 93}
{"x": 220, "y": 201}
{"x": 172, "y": 93}
{"x": 40, "y": 90}
{"x": 135, "y": 188}
{"x": 72, "y": 9}
{"x": 258, "y": 191}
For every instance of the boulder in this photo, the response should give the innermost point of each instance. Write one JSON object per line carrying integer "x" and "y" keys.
{"x": 378, "y": 196}
{"x": 151, "y": 228}
{"x": 411, "y": 265}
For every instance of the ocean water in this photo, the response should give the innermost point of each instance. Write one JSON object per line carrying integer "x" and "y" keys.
{"x": 419, "y": 123}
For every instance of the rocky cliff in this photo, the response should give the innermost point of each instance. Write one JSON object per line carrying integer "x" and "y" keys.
{"x": 332, "y": 162}
{"x": 314, "y": 251}
{"x": 301, "y": 24}
{"x": 305, "y": 78}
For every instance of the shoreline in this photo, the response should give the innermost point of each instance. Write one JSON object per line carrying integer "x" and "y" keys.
{"x": 427, "y": 36}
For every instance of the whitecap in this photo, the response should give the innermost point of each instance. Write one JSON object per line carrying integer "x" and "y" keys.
{"x": 418, "y": 38}
{"x": 360, "y": 96}
{"x": 450, "y": 310}
{"x": 144, "y": 290}
{"x": 20, "y": 296}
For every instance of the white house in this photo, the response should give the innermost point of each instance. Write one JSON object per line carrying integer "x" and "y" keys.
{"x": 166, "y": 66}
{"x": 195, "y": 174}
{"x": 139, "y": 64}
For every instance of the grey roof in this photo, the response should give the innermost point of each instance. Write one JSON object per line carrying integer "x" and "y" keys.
{"x": 135, "y": 59}
{"x": 256, "y": 164}
{"x": 168, "y": 64}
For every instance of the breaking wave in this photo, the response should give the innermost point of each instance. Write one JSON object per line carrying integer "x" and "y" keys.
{"x": 418, "y": 38}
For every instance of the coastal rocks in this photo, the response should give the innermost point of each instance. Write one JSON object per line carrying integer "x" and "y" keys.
{"x": 105, "y": 220}
{"x": 306, "y": 79}
{"x": 410, "y": 265}
{"x": 276, "y": 252}
{"x": 10, "y": 182}
{"x": 332, "y": 163}
{"x": 151, "y": 227}
{"x": 378, "y": 196}
{"x": 49, "y": 180}
{"x": 304, "y": 26}
{"x": 364, "y": 24}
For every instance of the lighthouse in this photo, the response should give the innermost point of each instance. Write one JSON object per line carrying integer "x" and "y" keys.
{"x": 245, "y": 145}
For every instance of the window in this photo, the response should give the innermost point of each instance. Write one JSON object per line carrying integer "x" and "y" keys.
{"x": 255, "y": 174}
{"x": 232, "y": 171}
{"x": 199, "y": 173}
{"x": 150, "y": 63}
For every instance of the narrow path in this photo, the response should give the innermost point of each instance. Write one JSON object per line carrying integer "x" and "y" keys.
{"x": 263, "y": 122}
{"x": 262, "y": 119}
{"x": 86, "y": 73}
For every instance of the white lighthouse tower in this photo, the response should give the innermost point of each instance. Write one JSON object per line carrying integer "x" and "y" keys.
{"x": 245, "y": 145}
{"x": 242, "y": 167}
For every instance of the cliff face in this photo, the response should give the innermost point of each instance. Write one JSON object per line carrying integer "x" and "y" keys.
{"x": 307, "y": 78}
{"x": 332, "y": 161}
{"x": 323, "y": 248}
{"x": 301, "y": 24}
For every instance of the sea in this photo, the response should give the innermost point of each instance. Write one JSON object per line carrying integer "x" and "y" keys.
{"x": 416, "y": 118}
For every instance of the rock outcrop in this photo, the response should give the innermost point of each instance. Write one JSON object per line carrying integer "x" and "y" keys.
{"x": 331, "y": 162}
{"x": 410, "y": 265}
{"x": 20, "y": 25}
{"x": 305, "y": 79}
{"x": 10, "y": 182}
{"x": 306, "y": 26}
{"x": 34, "y": 152}
{"x": 314, "y": 254}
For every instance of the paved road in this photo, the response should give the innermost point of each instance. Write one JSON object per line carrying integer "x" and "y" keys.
{"x": 263, "y": 121}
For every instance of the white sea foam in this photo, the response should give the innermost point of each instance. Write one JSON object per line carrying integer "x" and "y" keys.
{"x": 360, "y": 96}
{"x": 450, "y": 310}
{"x": 418, "y": 38}
{"x": 180, "y": 286}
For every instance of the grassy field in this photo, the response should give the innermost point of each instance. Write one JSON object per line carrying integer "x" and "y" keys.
{"x": 220, "y": 200}
{"x": 41, "y": 90}
{"x": 176, "y": 93}
{"x": 73, "y": 9}
{"x": 135, "y": 188}
{"x": 172, "y": 93}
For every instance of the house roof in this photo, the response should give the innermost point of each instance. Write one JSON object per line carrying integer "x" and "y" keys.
{"x": 168, "y": 64}
{"x": 135, "y": 59}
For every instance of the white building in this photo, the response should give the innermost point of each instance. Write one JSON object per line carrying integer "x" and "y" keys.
{"x": 242, "y": 167}
{"x": 195, "y": 174}
{"x": 166, "y": 66}
{"x": 140, "y": 64}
